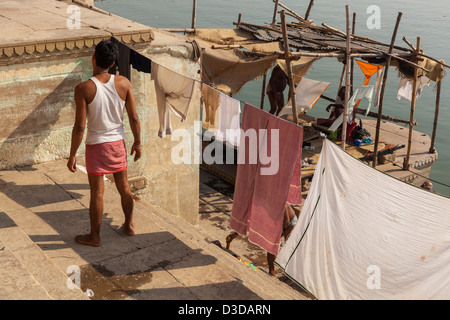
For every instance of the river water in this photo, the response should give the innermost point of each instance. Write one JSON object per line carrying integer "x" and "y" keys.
{"x": 429, "y": 20}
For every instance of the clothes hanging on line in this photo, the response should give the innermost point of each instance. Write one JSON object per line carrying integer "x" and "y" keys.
{"x": 295, "y": 187}
{"x": 173, "y": 92}
{"x": 127, "y": 58}
{"x": 221, "y": 115}
{"x": 365, "y": 92}
{"x": 122, "y": 64}
{"x": 210, "y": 103}
{"x": 376, "y": 101}
{"x": 260, "y": 198}
{"x": 229, "y": 120}
{"x": 405, "y": 88}
{"x": 307, "y": 93}
{"x": 368, "y": 69}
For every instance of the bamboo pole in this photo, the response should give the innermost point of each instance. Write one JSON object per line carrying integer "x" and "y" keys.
{"x": 194, "y": 13}
{"x": 289, "y": 66}
{"x": 308, "y": 11}
{"x": 295, "y": 15}
{"x": 411, "y": 117}
{"x": 275, "y": 10}
{"x": 388, "y": 118}
{"x": 263, "y": 91}
{"x": 396, "y": 56}
{"x": 353, "y": 59}
{"x": 178, "y": 30}
{"x": 341, "y": 81}
{"x": 383, "y": 88}
{"x": 436, "y": 116}
{"x": 347, "y": 80}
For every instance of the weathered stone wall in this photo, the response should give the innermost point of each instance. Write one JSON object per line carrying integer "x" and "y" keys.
{"x": 37, "y": 110}
{"x": 37, "y": 114}
{"x": 175, "y": 187}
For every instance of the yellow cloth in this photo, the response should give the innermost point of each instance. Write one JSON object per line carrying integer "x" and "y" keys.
{"x": 210, "y": 107}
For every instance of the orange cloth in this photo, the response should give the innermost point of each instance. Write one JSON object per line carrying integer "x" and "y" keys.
{"x": 368, "y": 69}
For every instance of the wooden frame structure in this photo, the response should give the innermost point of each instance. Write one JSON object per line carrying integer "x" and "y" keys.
{"x": 311, "y": 40}
{"x": 326, "y": 41}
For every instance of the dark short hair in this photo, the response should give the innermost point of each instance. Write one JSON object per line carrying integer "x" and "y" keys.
{"x": 106, "y": 52}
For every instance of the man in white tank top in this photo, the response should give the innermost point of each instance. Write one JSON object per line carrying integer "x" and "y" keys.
{"x": 100, "y": 101}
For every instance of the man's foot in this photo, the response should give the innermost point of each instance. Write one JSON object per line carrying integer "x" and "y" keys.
{"x": 88, "y": 240}
{"x": 129, "y": 229}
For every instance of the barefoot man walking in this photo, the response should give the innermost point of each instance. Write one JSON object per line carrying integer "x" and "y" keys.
{"x": 101, "y": 101}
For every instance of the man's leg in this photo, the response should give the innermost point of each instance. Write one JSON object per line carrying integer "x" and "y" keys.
{"x": 280, "y": 102}
{"x": 97, "y": 187}
{"x": 126, "y": 197}
{"x": 273, "y": 102}
{"x": 289, "y": 214}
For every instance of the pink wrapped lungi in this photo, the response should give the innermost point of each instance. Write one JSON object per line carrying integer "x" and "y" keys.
{"x": 106, "y": 158}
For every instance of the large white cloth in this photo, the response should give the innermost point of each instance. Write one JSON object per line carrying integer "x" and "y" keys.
{"x": 405, "y": 88}
{"x": 307, "y": 93}
{"x": 365, "y": 235}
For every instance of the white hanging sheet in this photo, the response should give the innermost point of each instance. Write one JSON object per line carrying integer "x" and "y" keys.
{"x": 307, "y": 93}
{"x": 363, "y": 234}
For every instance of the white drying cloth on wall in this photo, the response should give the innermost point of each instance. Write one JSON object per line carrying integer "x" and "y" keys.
{"x": 229, "y": 120}
{"x": 405, "y": 88}
{"x": 307, "y": 93}
{"x": 365, "y": 92}
{"x": 173, "y": 92}
{"x": 365, "y": 235}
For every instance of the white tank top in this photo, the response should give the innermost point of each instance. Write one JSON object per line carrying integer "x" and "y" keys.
{"x": 105, "y": 114}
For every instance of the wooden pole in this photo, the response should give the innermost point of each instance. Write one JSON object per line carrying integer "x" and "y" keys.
{"x": 436, "y": 116}
{"x": 289, "y": 66}
{"x": 263, "y": 91}
{"x": 353, "y": 59}
{"x": 308, "y": 11}
{"x": 194, "y": 13}
{"x": 294, "y": 14}
{"x": 347, "y": 80}
{"x": 239, "y": 20}
{"x": 411, "y": 117}
{"x": 274, "y": 19}
{"x": 383, "y": 88}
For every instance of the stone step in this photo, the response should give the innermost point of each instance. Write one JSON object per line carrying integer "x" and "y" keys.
{"x": 261, "y": 283}
{"x": 16, "y": 283}
{"x": 45, "y": 207}
{"x": 26, "y": 272}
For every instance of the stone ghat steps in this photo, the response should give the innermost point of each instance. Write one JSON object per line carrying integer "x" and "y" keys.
{"x": 26, "y": 272}
{"x": 43, "y": 207}
{"x": 264, "y": 285}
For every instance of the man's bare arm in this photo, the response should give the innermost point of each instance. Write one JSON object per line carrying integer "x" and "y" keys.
{"x": 78, "y": 127}
{"x": 135, "y": 124}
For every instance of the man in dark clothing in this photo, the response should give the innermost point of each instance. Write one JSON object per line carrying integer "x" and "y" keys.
{"x": 275, "y": 90}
